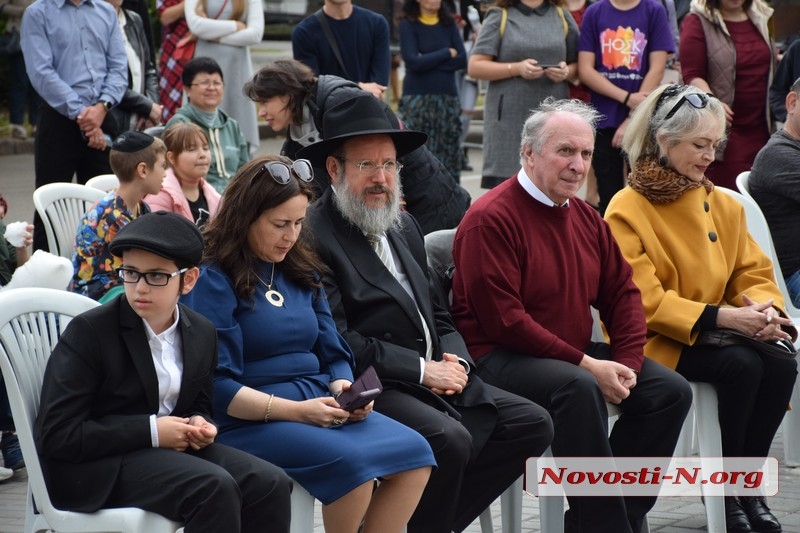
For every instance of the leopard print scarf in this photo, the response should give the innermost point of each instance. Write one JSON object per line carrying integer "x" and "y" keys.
{"x": 660, "y": 184}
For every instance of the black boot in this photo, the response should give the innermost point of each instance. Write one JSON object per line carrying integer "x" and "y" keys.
{"x": 761, "y": 519}
{"x": 735, "y": 516}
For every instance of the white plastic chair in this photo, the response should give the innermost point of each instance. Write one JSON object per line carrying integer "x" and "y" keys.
{"x": 104, "y": 182}
{"x": 302, "y": 510}
{"x": 759, "y": 229}
{"x": 31, "y": 321}
{"x": 61, "y": 206}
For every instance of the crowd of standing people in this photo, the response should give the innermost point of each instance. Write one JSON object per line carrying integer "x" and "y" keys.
{"x": 244, "y": 297}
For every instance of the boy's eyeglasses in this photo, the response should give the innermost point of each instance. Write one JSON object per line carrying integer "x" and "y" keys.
{"x": 154, "y": 279}
{"x": 696, "y": 100}
{"x": 282, "y": 172}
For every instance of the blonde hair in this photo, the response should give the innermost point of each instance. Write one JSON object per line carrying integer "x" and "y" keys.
{"x": 648, "y": 122}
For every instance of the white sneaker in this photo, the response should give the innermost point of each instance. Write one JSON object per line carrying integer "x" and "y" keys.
{"x": 5, "y": 473}
{"x": 19, "y": 132}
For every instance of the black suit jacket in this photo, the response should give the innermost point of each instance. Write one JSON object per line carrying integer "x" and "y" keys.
{"x": 99, "y": 390}
{"x": 379, "y": 320}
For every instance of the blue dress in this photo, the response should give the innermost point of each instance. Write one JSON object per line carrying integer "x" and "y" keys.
{"x": 293, "y": 352}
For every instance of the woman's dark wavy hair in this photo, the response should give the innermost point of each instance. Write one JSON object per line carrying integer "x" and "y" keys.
{"x": 283, "y": 77}
{"x": 246, "y": 198}
{"x": 411, "y": 12}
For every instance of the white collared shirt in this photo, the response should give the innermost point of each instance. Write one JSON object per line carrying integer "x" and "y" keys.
{"x": 534, "y": 191}
{"x": 166, "y": 349}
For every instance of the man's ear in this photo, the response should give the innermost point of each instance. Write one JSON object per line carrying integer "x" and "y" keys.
{"x": 141, "y": 169}
{"x": 791, "y": 102}
{"x": 332, "y": 166}
{"x": 189, "y": 279}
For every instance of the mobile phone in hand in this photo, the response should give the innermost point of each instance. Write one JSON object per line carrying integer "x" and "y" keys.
{"x": 356, "y": 400}
{"x": 364, "y": 389}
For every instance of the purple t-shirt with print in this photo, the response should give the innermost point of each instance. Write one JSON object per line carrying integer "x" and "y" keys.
{"x": 621, "y": 42}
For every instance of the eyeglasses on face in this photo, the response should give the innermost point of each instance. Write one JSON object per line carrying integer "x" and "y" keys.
{"x": 696, "y": 100}
{"x": 205, "y": 84}
{"x": 154, "y": 279}
{"x": 369, "y": 168}
{"x": 282, "y": 172}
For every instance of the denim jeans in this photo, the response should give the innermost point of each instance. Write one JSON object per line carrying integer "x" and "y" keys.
{"x": 19, "y": 88}
{"x": 793, "y": 284}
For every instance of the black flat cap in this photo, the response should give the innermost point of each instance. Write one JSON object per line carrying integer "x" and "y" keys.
{"x": 132, "y": 141}
{"x": 163, "y": 233}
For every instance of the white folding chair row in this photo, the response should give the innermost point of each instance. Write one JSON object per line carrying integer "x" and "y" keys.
{"x": 61, "y": 207}
{"x": 31, "y": 321}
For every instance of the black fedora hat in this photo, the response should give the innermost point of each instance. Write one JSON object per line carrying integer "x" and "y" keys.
{"x": 362, "y": 115}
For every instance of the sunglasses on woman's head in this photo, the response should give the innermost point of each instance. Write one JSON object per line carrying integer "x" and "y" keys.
{"x": 696, "y": 100}
{"x": 282, "y": 172}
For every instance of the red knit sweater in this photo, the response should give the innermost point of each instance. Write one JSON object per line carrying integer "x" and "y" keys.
{"x": 526, "y": 274}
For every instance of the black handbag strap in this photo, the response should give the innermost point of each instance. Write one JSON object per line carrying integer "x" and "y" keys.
{"x": 326, "y": 28}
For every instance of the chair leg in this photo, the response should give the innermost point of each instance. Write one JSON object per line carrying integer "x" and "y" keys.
{"x": 511, "y": 505}
{"x": 510, "y": 510}
{"x": 302, "y": 510}
{"x": 710, "y": 444}
{"x": 791, "y": 430}
{"x": 486, "y": 521}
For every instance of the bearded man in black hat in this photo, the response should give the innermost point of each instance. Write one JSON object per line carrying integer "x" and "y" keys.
{"x": 378, "y": 289}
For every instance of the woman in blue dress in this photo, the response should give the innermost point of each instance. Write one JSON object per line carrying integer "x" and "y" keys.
{"x": 282, "y": 362}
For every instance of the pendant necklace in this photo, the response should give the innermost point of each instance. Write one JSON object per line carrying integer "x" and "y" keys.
{"x": 272, "y": 295}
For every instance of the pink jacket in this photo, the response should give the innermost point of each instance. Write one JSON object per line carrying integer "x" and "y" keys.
{"x": 171, "y": 197}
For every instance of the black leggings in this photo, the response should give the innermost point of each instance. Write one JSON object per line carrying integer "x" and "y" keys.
{"x": 753, "y": 391}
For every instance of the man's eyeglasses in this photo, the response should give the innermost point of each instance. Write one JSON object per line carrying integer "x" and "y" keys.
{"x": 369, "y": 168}
{"x": 205, "y": 84}
{"x": 696, "y": 100}
{"x": 154, "y": 279}
{"x": 282, "y": 173}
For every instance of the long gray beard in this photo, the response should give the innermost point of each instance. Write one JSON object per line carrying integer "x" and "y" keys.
{"x": 354, "y": 209}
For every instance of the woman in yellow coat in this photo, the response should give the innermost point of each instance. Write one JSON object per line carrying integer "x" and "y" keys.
{"x": 698, "y": 270}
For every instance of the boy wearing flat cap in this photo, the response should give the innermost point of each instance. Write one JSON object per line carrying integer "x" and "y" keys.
{"x": 138, "y": 160}
{"x": 125, "y": 418}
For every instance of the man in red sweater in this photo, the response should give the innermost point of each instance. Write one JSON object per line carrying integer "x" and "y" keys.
{"x": 530, "y": 260}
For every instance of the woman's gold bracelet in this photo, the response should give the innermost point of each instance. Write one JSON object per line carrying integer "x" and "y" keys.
{"x": 269, "y": 407}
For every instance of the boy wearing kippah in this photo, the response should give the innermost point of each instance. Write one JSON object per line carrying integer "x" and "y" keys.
{"x": 138, "y": 160}
{"x": 125, "y": 417}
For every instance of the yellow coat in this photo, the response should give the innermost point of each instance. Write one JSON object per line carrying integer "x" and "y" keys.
{"x": 686, "y": 254}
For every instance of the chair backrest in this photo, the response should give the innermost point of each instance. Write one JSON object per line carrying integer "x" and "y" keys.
{"x": 439, "y": 249}
{"x": 61, "y": 207}
{"x": 155, "y": 131}
{"x": 759, "y": 230}
{"x": 104, "y": 182}
{"x": 31, "y": 321}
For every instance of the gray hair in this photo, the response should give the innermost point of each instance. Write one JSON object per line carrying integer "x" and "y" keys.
{"x": 533, "y": 131}
{"x": 648, "y": 122}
